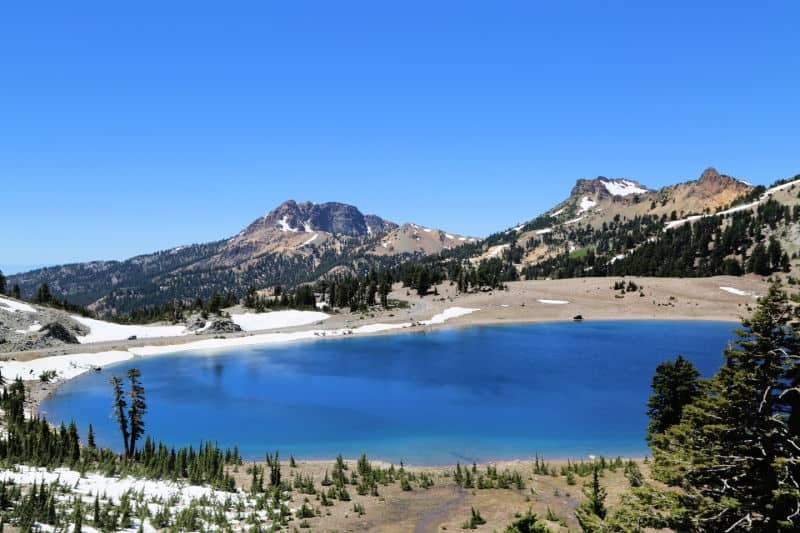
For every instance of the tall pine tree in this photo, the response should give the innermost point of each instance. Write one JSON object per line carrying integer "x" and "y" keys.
{"x": 736, "y": 450}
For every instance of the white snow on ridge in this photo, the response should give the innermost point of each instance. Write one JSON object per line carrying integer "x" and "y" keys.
{"x": 7, "y": 304}
{"x": 309, "y": 241}
{"x": 586, "y": 204}
{"x": 277, "y": 319}
{"x": 449, "y": 236}
{"x": 101, "y": 331}
{"x": 543, "y": 231}
{"x": 284, "y": 224}
{"x": 769, "y": 192}
{"x": 553, "y": 302}
{"x": 623, "y": 187}
{"x": 555, "y": 214}
{"x": 781, "y": 187}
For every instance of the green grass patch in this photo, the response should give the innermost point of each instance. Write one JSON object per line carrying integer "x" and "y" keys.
{"x": 580, "y": 252}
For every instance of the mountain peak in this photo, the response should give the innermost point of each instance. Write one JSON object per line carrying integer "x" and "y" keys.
{"x": 710, "y": 174}
{"x": 604, "y": 187}
{"x": 330, "y": 217}
{"x": 714, "y": 182}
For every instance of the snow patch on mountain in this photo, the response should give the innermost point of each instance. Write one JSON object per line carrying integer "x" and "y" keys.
{"x": 101, "y": 331}
{"x": 309, "y": 241}
{"x": 277, "y": 319}
{"x": 623, "y": 187}
{"x": 285, "y": 226}
{"x": 586, "y": 204}
{"x": 12, "y": 306}
{"x": 450, "y": 312}
{"x": 769, "y": 192}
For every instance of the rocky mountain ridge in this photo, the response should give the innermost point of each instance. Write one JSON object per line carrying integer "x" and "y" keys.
{"x": 294, "y": 243}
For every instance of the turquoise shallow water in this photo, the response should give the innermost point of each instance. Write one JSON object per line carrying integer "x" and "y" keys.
{"x": 480, "y": 393}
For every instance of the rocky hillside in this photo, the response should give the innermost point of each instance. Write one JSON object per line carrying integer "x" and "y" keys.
{"x": 614, "y": 218}
{"x": 292, "y": 244}
{"x": 27, "y": 327}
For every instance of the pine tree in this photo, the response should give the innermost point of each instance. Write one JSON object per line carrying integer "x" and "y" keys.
{"x": 43, "y": 295}
{"x": 2, "y": 283}
{"x": 137, "y": 408}
{"x": 759, "y": 261}
{"x": 736, "y": 449}
{"x": 775, "y": 252}
{"x": 592, "y": 512}
{"x": 90, "y": 438}
{"x": 15, "y": 292}
{"x": 77, "y": 516}
{"x": 675, "y": 384}
{"x": 119, "y": 411}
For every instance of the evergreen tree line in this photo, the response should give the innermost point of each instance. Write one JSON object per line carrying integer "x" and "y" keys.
{"x": 709, "y": 246}
{"x": 33, "y": 441}
{"x": 44, "y": 297}
{"x": 177, "y": 310}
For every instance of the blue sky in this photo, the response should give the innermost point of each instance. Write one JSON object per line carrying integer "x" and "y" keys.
{"x": 131, "y": 127}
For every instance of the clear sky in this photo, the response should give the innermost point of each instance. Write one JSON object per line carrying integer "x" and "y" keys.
{"x": 128, "y": 127}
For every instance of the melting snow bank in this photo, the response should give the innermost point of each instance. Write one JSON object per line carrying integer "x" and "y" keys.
{"x": 112, "y": 487}
{"x": 12, "y": 306}
{"x": 277, "y": 319}
{"x": 553, "y": 302}
{"x": 70, "y": 366}
{"x": 451, "y": 312}
{"x": 738, "y": 292}
{"x": 240, "y": 509}
{"x": 101, "y": 331}
{"x": 67, "y": 366}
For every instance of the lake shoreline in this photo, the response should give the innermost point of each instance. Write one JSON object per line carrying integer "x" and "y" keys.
{"x": 667, "y": 299}
{"x": 434, "y": 425}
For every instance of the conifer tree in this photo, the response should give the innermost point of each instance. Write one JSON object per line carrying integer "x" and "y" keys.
{"x": 759, "y": 261}
{"x": 119, "y": 406}
{"x": 592, "y": 512}
{"x": 736, "y": 449}
{"x": 90, "y": 438}
{"x": 674, "y": 385}
{"x": 775, "y": 252}
{"x": 137, "y": 408}
{"x": 43, "y": 295}
{"x": 77, "y": 516}
{"x": 2, "y": 283}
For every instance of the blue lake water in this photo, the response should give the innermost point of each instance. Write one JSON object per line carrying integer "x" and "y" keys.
{"x": 480, "y": 393}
